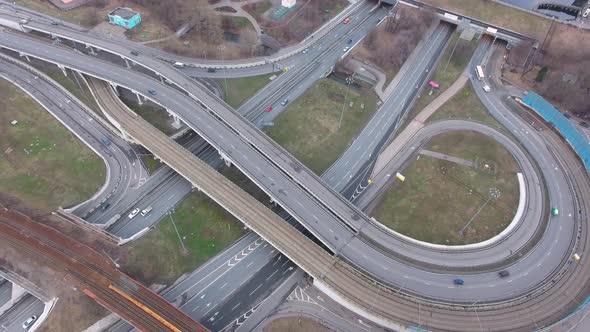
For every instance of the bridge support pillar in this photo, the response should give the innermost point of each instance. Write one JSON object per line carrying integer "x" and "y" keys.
{"x": 126, "y": 62}
{"x": 139, "y": 101}
{"x": 162, "y": 79}
{"x": 92, "y": 52}
{"x": 225, "y": 159}
{"x": 63, "y": 70}
{"x": 176, "y": 123}
{"x": 22, "y": 55}
{"x": 114, "y": 86}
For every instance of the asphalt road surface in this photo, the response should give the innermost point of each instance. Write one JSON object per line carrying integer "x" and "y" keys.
{"x": 12, "y": 320}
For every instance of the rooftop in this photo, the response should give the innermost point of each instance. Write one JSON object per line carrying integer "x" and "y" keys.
{"x": 123, "y": 12}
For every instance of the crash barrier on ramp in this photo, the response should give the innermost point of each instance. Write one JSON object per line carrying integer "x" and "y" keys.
{"x": 552, "y": 115}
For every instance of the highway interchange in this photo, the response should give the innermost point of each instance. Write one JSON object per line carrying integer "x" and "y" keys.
{"x": 478, "y": 285}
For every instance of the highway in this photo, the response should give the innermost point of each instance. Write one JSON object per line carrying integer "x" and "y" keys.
{"x": 359, "y": 155}
{"x": 568, "y": 164}
{"x": 123, "y": 170}
{"x": 12, "y": 320}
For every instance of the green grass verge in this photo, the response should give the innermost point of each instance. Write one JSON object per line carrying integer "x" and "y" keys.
{"x": 151, "y": 164}
{"x": 155, "y": 115}
{"x": 465, "y": 105}
{"x": 69, "y": 83}
{"x": 40, "y": 160}
{"x": 308, "y": 129}
{"x": 445, "y": 74}
{"x": 241, "y": 89}
{"x": 439, "y": 198}
{"x": 206, "y": 229}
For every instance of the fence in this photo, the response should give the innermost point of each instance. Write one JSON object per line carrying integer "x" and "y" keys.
{"x": 552, "y": 115}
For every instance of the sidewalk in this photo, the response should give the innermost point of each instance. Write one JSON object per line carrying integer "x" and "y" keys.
{"x": 417, "y": 123}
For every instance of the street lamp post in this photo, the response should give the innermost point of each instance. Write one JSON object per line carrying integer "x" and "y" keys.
{"x": 222, "y": 48}
{"x": 348, "y": 81}
{"x": 177, "y": 233}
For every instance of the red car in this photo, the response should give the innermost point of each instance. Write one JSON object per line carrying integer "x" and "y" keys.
{"x": 268, "y": 109}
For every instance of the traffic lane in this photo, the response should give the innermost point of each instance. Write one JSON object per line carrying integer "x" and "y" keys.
{"x": 28, "y": 306}
{"x": 258, "y": 288}
{"x": 467, "y": 258}
{"x": 226, "y": 284}
{"x": 5, "y": 292}
{"x": 91, "y": 132}
{"x": 382, "y": 123}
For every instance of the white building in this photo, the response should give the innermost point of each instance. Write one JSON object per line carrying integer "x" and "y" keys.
{"x": 288, "y": 3}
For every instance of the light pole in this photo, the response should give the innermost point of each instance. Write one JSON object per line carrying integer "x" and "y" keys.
{"x": 348, "y": 81}
{"x": 176, "y": 229}
{"x": 222, "y": 48}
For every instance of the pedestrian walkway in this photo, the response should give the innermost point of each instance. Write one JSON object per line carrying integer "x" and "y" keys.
{"x": 418, "y": 122}
{"x": 442, "y": 156}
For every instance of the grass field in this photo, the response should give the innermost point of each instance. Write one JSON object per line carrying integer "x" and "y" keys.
{"x": 308, "y": 129}
{"x": 206, "y": 229}
{"x": 240, "y": 89}
{"x": 40, "y": 160}
{"x": 151, "y": 164}
{"x": 498, "y": 14}
{"x": 445, "y": 74}
{"x": 69, "y": 83}
{"x": 465, "y": 105}
{"x": 155, "y": 115}
{"x": 439, "y": 198}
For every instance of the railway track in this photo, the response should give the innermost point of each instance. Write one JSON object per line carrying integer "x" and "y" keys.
{"x": 94, "y": 273}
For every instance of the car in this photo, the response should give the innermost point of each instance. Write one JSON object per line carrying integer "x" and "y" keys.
{"x": 576, "y": 257}
{"x": 567, "y": 115}
{"x": 350, "y": 41}
{"x": 284, "y": 102}
{"x": 146, "y": 211}
{"x": 211, "y": 70}
{"x": 458, "y": 282}
{"x": 305, "y": 50}
{"x": 29, "y": 322}
{"x": 152, "y": 92}
{"x": 54, "y": 23}
{"x": 584, "y": 124}
{"x": 268, "y": 109}
{"x": 105, "y": 141}
{"x": 346, "y": 49}
{"x": 133, "y": 213}
{"x": 503, "y": 274}
{"x": 134, "y": 53}
{"x": 346, "y": 20}
{"x": 554, "y": 211}
{"x": 106, "y": 206}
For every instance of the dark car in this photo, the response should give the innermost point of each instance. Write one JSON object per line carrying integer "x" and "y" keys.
{"x": 211, "y": 70}
{"x": 458, "y": 282}
{"x": 54, "y": 23}
{"x": 584, "y": 124}
{"x": 503, "y": 274}
{"x": 152, "y": 92}
{"x": 106, "y": 206}
{"x": 350, "y": 41}
{"x": 134, "y": 52}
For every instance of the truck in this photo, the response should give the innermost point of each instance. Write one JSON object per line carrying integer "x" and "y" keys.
{"x": 479, "y": 72}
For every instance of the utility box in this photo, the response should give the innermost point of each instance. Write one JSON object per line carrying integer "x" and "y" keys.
{"x": 125, "y": 17}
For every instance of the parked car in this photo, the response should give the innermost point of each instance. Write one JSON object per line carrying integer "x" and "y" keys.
{"x": 503, "y": 274}
{"x": 133, "y": 213}
{"x": 29, "y": 322}
{"x": 268, "y": 109}
{"x": 284, "y": 102}
{"x": 458, "y": 282}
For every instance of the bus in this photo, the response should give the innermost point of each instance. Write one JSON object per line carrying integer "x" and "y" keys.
{"x": 479, "y": 71}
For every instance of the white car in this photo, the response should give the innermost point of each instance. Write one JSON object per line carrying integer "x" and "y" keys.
{"x": 133, "y": 213}
{"x": 346, "y": 49}
{"x": 305, "y": 50}
{"x": 29, "y": 322}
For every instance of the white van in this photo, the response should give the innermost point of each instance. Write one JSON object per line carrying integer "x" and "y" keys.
{"x": 146, "y": 211}
{"x": 486, "y": 88}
